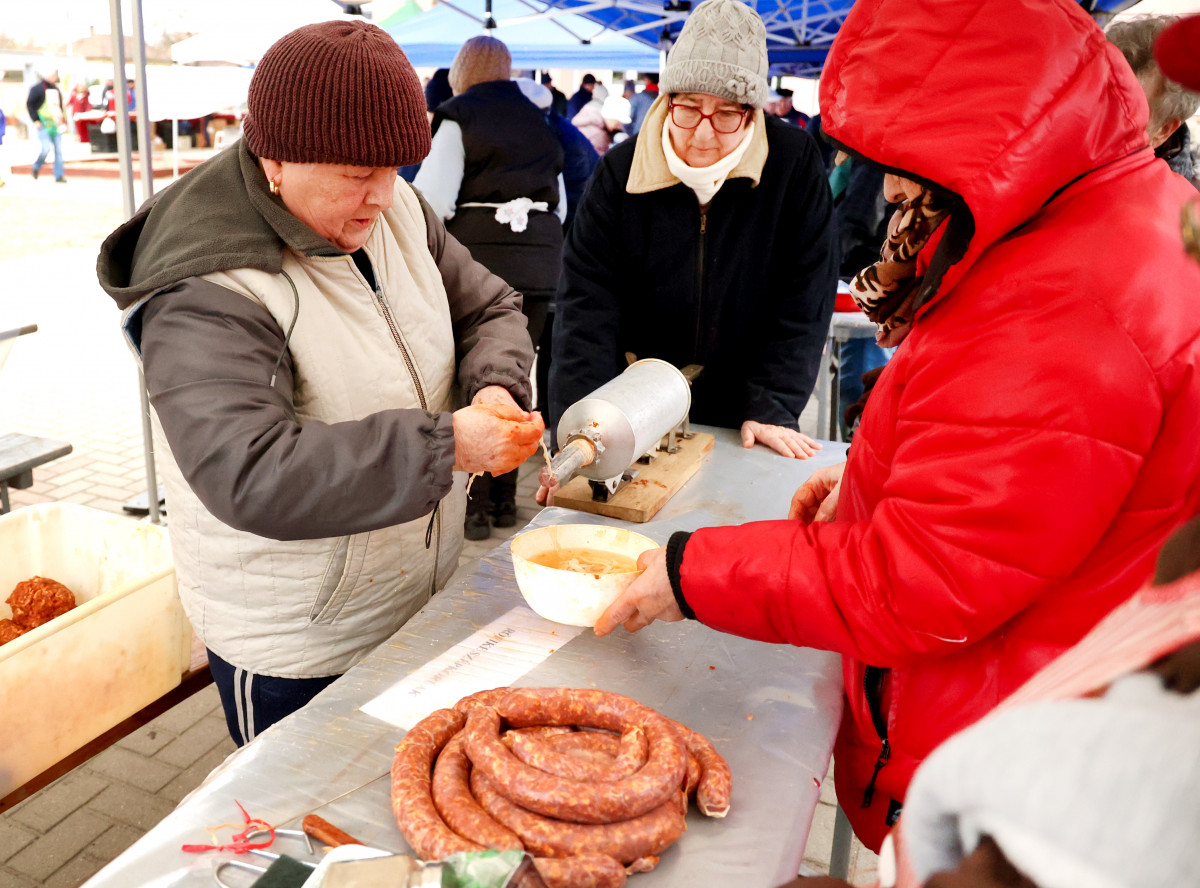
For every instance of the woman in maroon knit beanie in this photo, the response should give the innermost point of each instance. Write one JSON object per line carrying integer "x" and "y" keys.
{"x": 308, "y": 332}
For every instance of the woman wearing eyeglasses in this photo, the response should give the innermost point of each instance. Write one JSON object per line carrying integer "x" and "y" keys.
{"x": 705, "y": 240}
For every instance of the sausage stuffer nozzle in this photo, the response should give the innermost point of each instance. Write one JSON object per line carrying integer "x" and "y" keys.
{"x": 603, "y": 434}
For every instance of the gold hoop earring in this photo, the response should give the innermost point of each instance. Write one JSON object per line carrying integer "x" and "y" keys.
{"x": 273, "y": 186}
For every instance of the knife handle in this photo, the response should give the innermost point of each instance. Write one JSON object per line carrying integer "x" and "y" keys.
{"x": 324, "y": 831}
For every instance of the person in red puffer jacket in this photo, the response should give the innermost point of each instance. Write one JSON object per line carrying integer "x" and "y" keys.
{"x": 1037, "y": 437}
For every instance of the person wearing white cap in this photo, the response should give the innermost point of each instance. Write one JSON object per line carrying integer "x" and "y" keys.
{"x": 705, "y": 239}
{"x": 601, "y": 122}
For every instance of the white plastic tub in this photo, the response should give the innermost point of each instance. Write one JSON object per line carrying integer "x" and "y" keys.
{"x": 124, "y": 645}
{"x": 567, "y": 596}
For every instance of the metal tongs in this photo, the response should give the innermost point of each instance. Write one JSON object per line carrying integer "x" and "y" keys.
{"x": 262, "y": 852}
{"x": 357, "y": 865}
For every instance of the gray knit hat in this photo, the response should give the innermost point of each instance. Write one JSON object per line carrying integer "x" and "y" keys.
{"x": 721, "y": 51}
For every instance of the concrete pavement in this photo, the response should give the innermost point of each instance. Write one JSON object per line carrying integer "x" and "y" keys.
{"x": 75, "y": 380}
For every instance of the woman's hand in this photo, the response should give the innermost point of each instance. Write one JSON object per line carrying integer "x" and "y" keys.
{"x": 495, "y": 437}
{"x": 647, "y": 599}
{"x": 497, "y": 395}
{"x": 817, "y": 498}
{"x": 781, "y": 439}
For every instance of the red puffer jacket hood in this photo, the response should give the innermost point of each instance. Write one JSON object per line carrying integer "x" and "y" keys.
{"x": 1034, "y": 439}
{"x": 901, "y": 91}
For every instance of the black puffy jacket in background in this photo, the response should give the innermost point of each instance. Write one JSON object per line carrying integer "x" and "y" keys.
{"x": 750, "y": 299}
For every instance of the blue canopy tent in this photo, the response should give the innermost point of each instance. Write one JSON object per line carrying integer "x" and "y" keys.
{"x": 799, "y": 32}
{"x": 537, "y": 37}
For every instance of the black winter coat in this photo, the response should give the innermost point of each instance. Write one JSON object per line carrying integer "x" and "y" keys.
{"x": 511, "y": 152}
{"x": 746, "y": 288}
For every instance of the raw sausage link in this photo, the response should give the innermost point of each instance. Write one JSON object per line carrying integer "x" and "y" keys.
{"x": 574, "y": 800}
{"x": 627, "y": 840}
{"x": 481, "y": 698}
{"x": 537, "y": 731}
{"x": 642, "y": 865}
{"x": 595, "y": 745}
{"x": 716, "y": 780}
{"x": 571, "y": 706}
{"x": 452, "y": 796}
{"x": 694, "y": 773}
{"x": 412, "y": 801}
{"x": 571, "y": 800}
{"x": 596, "y": 871}
{"x": 631, "y": 749}
{"x": 588, "y": 760}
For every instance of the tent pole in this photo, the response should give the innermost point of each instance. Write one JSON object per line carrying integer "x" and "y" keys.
{"x": 146, "y": 150}
{"x": 145, "y": 125}
{"x": 124, "y": 150}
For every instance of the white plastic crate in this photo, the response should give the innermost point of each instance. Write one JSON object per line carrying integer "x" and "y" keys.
{"x": 125, "y": 644}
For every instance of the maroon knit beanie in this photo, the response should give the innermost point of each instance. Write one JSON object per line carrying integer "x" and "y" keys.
{"x": 337, "y": 92}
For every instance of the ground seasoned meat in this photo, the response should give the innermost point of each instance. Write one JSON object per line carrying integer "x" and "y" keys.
{"x": 9, "y": 631}
{"x": 39, "y": 600}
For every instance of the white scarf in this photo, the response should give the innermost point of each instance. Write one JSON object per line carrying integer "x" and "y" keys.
{"x": 705, "y": 181}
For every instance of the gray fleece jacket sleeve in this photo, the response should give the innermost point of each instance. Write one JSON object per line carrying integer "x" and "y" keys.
{"x": 207, "y": 355}
{"x": 490, "y": 332}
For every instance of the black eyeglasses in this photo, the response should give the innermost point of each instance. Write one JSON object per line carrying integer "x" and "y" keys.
{"x": 689, "y": 117}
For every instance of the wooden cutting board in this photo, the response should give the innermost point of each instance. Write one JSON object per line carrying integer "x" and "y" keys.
{"x": 641, "y": 498}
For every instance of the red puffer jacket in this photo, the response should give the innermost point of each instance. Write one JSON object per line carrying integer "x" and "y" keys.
{"x": 1037, "y": 435}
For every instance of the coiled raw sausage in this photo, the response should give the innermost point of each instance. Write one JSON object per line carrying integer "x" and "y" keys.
{"x": 571, "y": 799}
{"x": 583, "y": 755}
{"x": 716, "y": 780}
{"x": 594, "y": 871}
{"x": 457, "y": 806}
{"x": 574, "y": 800}
{"x": 626, "y": 840}
{"x": 412, "y": 801}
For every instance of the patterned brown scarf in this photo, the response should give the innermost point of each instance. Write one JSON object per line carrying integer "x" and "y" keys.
{"x": 886, "y": 290}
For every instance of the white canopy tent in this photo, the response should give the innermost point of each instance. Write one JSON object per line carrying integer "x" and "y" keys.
{"x": 209, "y": 47}
{"x": 178, "y": 92}
{"x": 245, "y": 44}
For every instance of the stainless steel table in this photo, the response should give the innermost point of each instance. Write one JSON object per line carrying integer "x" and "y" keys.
{"x": 772, "y": 711}
{"x": 843, "y": 327}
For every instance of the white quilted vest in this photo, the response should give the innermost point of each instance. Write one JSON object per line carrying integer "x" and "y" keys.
{"x": 312, "y": 608}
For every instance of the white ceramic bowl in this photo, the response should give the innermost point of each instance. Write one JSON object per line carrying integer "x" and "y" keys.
{"x": 569, "y": 596}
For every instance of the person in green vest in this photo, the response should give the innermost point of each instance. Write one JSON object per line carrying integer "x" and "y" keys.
{"x": 45, "y": 107}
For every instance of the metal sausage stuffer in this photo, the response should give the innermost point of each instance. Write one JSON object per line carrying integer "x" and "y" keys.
{"x": 624, "y": 420}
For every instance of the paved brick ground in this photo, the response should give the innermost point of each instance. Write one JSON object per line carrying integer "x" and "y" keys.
{"x": 75, "y": 380}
